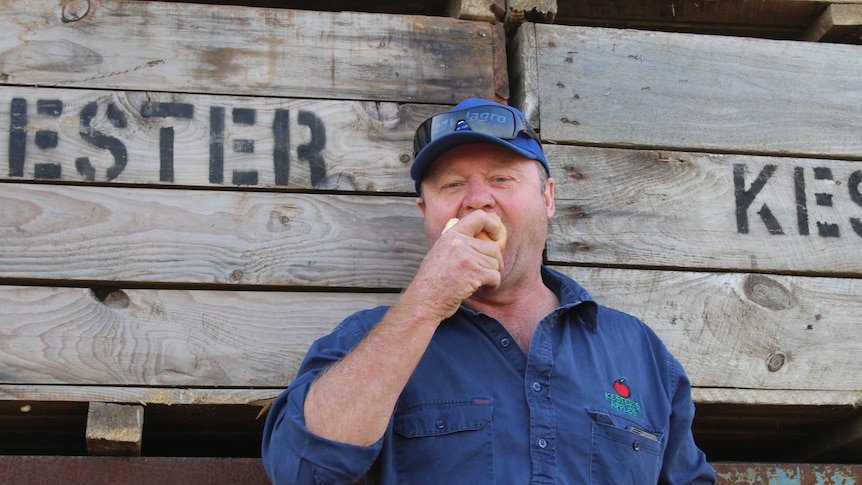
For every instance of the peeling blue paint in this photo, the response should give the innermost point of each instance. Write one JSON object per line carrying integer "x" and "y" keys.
{"x": 787, "y": 474}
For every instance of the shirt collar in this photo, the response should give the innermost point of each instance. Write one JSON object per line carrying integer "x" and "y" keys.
{"x": 572, "y": 295}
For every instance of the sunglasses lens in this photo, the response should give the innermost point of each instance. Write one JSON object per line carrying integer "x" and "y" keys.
{"x": 490, "y": 120}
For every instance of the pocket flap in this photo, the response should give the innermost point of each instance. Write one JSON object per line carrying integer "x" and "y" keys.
{"x": 439, "y": 418}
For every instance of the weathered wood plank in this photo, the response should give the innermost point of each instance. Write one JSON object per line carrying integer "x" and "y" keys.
{"x": 730, "y": 330}
{"x": 163, "y": 337}
{"x": 162, "y": 46}
{"x": 524, "y": 73}
{"x": 113, "y": 234}
{"x": 694, "y": 92}
{"x": 170, "y": 396}
{"x": 260, "y": 396}
{"x": 773, "y": 398}
{"x": 482, "y": 10}
{"x": 768, "y": 19}
{"x": 746, "y": 331}
{"x": 730, "y": 212}
{"x": 836, "y": 24}
{"x": 114, "y": 429}
{"x": 519, "y": 11}
{"x": 203, "y": 140}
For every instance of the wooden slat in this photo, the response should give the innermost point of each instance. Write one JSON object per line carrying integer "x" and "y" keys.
{"x": 687, "y": 210}
{"x": 524, "y": 73}
{"x": 730, "y": 330}
{"x": 519, "y": 11}
{"x": 482, "y": 10}
{"x": 114, "y": 429}
{"x": 163, "y": 337}
{"x": 208, "y": 237}
{"x": 169, "y": 396}
{"x": 773, "y": 398}
{"x": 692, "y": 92}
{"x": 204, "y": 140}
{"x": 162, "y": 46}
{"x": 836, "y": 24}
{"x": 260, "y": 396}
{"x": 779, "y": 19}
{"x": 745, "y": 331}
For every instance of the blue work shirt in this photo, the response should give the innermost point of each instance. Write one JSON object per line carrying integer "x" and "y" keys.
{"x": 598, "y": 400}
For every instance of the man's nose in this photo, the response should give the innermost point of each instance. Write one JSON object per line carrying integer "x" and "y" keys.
{"x": 478, "y": 195}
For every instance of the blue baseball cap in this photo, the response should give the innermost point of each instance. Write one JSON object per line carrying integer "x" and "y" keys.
{"x": 459, "y": 132}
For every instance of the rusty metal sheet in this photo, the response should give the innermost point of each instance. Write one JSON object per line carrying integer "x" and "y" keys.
{"x": 39, "y": 470}
{"x": 787, "y": 474}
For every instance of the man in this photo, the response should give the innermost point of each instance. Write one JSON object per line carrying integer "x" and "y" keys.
{"x": 490, "y": 367}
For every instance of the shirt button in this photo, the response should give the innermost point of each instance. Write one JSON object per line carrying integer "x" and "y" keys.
{"x": 542, "y": 443}
{"x": 536, "y": 386}
{"x": 504, "y": 342}
{"x": 440, "y": 424}
{"x": 636, "y": 445}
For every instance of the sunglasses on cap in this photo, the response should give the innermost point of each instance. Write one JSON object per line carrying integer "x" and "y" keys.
{"x": 492, "y": 120}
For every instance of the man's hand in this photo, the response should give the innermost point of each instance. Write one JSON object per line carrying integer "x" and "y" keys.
{"x": 460, "y": 262}
{"x": 499, "y": 238}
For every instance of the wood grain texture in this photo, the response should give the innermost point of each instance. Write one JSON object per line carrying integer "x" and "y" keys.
{"x": 745, "y": 331}
{"x": 195, "y": 339}
{"x": 655, "y": 208}
{"x": 207, "y": 140}
{"x": 838, "y": 23}
{"x": 114, "y": 429}
{"x": 190, "y": 395}
{"x": 113, "y": 234}
{"x": 828, "y": 403}
{"x": 695, "y": 92}
{"x": 163, "y": 46}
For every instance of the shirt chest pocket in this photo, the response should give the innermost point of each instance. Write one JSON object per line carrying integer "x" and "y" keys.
{"x": 450, "y": 441}
{"x": 628, "y": 451}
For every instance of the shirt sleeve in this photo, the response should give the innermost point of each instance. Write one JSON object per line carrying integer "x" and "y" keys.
{"x": 684, "y": 462}
{"x": 290, "y": 452}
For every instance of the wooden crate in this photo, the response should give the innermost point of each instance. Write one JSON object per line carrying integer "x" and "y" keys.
{"x": 196, "y": 192}
{"x": 192, "y": 194}
{"x": 711, "y": 185}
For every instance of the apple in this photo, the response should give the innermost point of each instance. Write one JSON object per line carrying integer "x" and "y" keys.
{"x": 622, "y": 388}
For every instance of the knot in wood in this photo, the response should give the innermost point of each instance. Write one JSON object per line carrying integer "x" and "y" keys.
{"x": 775, "y": 361}
{"x": 767, "y": 292}
{"x": 75, "y": 10}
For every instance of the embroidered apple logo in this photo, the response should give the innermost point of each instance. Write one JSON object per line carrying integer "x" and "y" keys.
{"x": 622, "y": 388}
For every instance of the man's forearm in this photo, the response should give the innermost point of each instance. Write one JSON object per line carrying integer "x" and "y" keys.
{"x": 353, "y": 400}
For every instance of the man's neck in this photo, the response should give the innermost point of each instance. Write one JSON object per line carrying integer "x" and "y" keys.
{"x": 519, "y": 308}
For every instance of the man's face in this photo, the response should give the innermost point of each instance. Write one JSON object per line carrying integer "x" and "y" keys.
{"x": 494, "y": 179}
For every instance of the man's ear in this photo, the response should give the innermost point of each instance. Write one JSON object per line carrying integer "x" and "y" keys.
{"x": 421, "y": 203}
{"x": 549, "y": 198}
